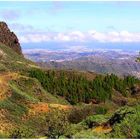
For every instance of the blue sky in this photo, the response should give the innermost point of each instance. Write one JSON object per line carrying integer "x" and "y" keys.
{"x": 61, "y": 21}
{"x": 77, "y": 15}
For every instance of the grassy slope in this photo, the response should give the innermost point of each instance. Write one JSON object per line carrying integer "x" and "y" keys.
{"x": 11, "y": 61}
{"x": 19, "y": 93}
{"x": 23, "y": 98}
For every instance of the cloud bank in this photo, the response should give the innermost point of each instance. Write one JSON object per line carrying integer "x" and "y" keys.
{"x": 92, "y": 35}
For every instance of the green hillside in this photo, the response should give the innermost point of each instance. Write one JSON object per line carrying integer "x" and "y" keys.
{"x": 11, "y": 61}
{"x": 36, "y": 103}
{"x": 20, "y": 94}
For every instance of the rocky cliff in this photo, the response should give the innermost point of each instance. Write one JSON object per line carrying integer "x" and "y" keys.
{"x": 9, "y": 38}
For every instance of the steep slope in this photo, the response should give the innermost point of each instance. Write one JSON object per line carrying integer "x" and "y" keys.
{"x": 21, "y": 99}
{"x": 11, "y": 61}
{"x": 9, "y": 38}
{"x": 20, "y": 95}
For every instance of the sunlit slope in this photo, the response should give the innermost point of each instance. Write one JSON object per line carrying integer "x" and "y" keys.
{"x": 21, "y": 97}
{"x": 11, "y": 61}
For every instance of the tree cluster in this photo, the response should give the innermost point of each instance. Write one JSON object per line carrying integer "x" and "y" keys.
{"x": 76, "y": 88}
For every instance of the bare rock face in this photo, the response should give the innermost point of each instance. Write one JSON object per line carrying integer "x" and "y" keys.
{"x": 9, "y": 38}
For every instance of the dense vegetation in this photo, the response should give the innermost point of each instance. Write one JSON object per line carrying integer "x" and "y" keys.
{"x": 129, "y": 126}
{"x": 57, "y": 125}
{"x": 125, "y": 126}
{"x": 76, "y": 88}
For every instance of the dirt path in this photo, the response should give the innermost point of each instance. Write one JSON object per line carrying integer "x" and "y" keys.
{"x": 59, "y": 106}
{"x": 5, "y": 124}
{"x": 45, "y": 107}
{"x": 4, "y": 78}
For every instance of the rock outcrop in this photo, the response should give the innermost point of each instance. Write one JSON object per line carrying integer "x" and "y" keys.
{"x": 9, "y": 38}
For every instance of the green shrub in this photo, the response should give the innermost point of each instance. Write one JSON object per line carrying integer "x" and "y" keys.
{"x": 94, "y": 120}
{"x": 73, "y": 129}
{"x": 22, "y": 132}
{"x": 76, "y": 115}
{"x": 85, "y": 134}
{"x": 2, "y": 68}
{"x": 3, "y": 136}
{"x": 20, "y": 95}
{"x": 13, "y": 107}
{"x": 129, "y": 127}
{"x": 56, "y": 123}
{"x": 100, "y": 110}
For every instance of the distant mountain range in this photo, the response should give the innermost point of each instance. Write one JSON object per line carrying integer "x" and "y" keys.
{"x": 100, "y": 61}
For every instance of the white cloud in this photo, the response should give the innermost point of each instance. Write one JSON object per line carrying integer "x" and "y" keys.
{"x": 77, "y": 35}
{"x": 114, "y": 36}
{"x": 113, "y": 33}
{"x": 101, "y": 37}
{"x": 61, "y": 37}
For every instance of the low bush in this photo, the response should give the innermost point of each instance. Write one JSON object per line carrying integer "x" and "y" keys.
{"x": 56, "y": 123}
{"x": 85, "y": 134}
{"x": 95, "y": 120}
{"x": 100, "y": 110}
{"x": 76, "y": 115}
{"x": 13, "y": 107}
{"x": 129, "y": 127}
{"x": 22, "y": 132}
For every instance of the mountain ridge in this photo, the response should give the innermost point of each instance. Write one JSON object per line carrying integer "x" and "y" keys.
{"x": 120, "y": 63}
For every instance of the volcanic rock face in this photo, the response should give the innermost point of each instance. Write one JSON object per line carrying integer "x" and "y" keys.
{"x": 9, "y": 38}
